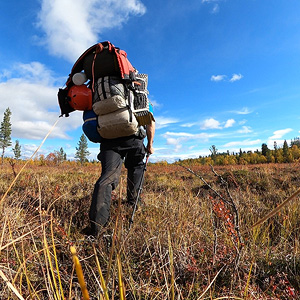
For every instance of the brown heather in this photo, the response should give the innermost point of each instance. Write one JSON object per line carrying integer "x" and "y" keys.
{"x": 183, "y": 243}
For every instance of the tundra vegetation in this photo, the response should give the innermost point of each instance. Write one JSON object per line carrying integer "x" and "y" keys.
{"x": 192, "y": 235}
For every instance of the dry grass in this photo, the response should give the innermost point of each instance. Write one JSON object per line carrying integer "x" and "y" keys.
{"x": 181, "y": 245}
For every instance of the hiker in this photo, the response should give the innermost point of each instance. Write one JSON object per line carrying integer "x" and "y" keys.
{"x": 112, "y": 153}
{"x": 117, "y": 114}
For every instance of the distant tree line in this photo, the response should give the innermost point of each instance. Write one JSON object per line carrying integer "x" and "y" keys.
{"x": 56, "y": 157}
{"x": 285, "y": 154}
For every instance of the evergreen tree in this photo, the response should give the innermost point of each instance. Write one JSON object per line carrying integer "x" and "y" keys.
{"x": 17, "y": 150}
{"x": 61, "y": 155}
{"x": 213, "y": 149}
{"x": 264, "y": 149}
{"x": 81, "y": 151}
{"x": 5, "y": 132}
{"x": 285, "y": 150}
{"x": 296, "y": 142}
{"x": 275, "y": 152}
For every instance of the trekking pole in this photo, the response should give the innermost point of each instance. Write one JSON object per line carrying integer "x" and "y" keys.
{"x": 139, "y": 191}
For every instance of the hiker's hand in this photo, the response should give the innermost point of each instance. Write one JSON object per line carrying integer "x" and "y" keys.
{"x": 150, "y": 149}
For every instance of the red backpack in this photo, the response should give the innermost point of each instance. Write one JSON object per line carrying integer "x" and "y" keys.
{"x": 102, "y": 59}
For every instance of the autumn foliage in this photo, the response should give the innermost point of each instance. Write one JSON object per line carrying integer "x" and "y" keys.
{"x": 189, "y": 239}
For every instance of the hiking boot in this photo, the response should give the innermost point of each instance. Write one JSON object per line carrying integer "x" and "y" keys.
{"x": 131, "y": 203}
{"x": 87, "y": 231}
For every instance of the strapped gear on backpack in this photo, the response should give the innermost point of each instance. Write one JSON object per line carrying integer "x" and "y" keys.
{"x": 142, "y": 107}
{"x": 116, "y": 93}
{"x": 107, "y": 87}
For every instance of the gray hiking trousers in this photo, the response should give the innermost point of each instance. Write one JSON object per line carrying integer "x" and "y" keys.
{"x": 112, "y": 153}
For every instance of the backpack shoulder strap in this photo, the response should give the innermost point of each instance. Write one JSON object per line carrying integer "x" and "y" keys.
{"x": 126, "y": 68}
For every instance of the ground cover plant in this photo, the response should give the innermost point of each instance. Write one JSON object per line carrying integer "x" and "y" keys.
{"x": 191, "y": 239}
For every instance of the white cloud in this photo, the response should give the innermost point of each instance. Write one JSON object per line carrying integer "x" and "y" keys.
{"x": 210, "y": 124}
{"x": 33, "y": 102}
{"x": 229, "y": 123}
{"x": 245, "y": 129}
{"x": 72, "y": 26}
{"x": 210, "y": 1}
{"x": 236, "y": 77}
{"x": 161, "y": 122}
{"x": 179, "y": 139}
{"x": 218, "y": 78}
{"x": 178, "y": 134}
{"x": 243, "y": 111}
{"x": 216, "y": 9}
{"x": 188, "y": 125}
{"x": 278, "y": 134}
{"x": 242, "y": 143}
{"x": 175, "y": 138}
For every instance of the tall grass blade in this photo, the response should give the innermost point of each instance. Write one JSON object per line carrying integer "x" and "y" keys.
{"x": 209, "y": 286}
{"x": 56, "y": 261}
{"x": 55, "y": 288}
{"x": 79, "y": 273}
{"x": 24, "y": 166}
{"x": 275, "y": 210}
{"x": 102, "y": 281}
{"x": 21, "y": 237}
{"x": 11, "y": 286}
{"x": 120, "y": 279}
{"x": 171, "y": 267}
{"x": 248, "y": 281}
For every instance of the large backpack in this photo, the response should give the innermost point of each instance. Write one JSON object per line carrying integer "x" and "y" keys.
{"x": 118, "y": 94}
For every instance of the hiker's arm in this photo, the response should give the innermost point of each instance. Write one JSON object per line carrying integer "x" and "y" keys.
{"x": 150, "y": 131}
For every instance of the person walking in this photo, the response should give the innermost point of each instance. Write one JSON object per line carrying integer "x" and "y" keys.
{"x": 113, "y": 152}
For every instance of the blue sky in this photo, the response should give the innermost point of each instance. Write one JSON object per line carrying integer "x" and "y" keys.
{"x": 221, "y": 72}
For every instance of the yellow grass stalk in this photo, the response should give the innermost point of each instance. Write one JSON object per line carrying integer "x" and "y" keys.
{"x": 3, "y": 232}
{"x": 131, "y": 280}
{"x": 248, "y": 281}
{"x": 30, "y": 286}
{"x": 23, "y": 266}
{"x": 228, "y": 298}
{"x": 21, "y": 237}
{"x": 209, "y": 286}
{"x": 71, "y": 280}
{"x": 15, "y": 291}
{"x": 102, "y": 280}
{"x": 79, "y": 273}
{"x": 38, "y": 148}
{"x": 56, "y": 260}
{"x": 275, "y": 210}
{"x": 51, "y": 267}
{"x": 121, "y": 284}
{"x": 171, "y": 266}
{"x": 20, "y": 262}
{"x": 48, "y": 279}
